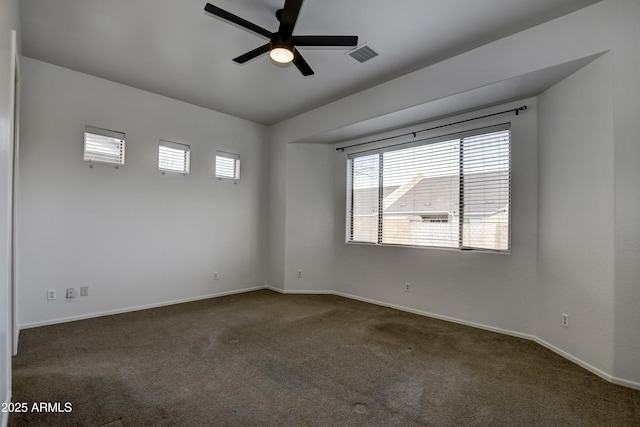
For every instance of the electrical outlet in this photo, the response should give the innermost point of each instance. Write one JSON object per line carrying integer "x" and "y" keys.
{"x": 565, "y": 320}
{"x": 215, "y": 276}
{"x": 71, "y": 292}
{"x": 407, "y": 287}
{"x": 84, "y": 291}
{"x": 299, "y": 274}
{"x": 51, "y": 294}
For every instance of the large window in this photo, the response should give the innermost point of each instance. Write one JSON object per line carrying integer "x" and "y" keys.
{"x": 448, "y": 192}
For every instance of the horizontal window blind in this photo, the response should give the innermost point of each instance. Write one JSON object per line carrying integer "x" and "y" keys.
{"x": 486, "y": 181}
{"x": 422, "y": 180}
{"x": 173, "y": 157}
{"x": 102, "y": 145}
{"x": 365, "y": 175}
{"x": 448, "y": 192}
{"x": 227, "y": 165}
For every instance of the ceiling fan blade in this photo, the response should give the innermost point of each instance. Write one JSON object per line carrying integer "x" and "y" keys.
{"x": 289, "y": 17}
{"x": 214, "y": 10}
{"x": 252, "y": 54}
{"x": 325, "y": 40}
{"x": 301, "y": 64}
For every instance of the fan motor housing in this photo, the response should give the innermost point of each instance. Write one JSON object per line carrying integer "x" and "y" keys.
{"x": 277, "y": 40}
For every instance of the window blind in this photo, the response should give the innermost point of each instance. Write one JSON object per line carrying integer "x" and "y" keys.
{"x": 173, "y": 157}
{"x": 449, "y": 192}
{"x": 102, "y": 145}
{"x": 365, "y": 175}
{"x": 227, "y": 165}
{"x": 486, "y": 181}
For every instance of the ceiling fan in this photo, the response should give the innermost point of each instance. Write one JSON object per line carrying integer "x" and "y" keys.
{"x": 282, "y": 44}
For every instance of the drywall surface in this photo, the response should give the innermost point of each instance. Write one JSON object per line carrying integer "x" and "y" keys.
{"x": 508, "y": 58}
{"x": 610, "y": 25}
{"x": 309, "y": 252}
{"x": 134, "y": 236}
{"x": 489, "y": 289}
{"x": 576, "y": 215}
{"x": 625, "y": 30}
{"x": 277, "y": 212}
{"x": 8, "y": 21}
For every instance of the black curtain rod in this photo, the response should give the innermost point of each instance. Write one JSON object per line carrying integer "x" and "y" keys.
{"x": 513, "y": 110}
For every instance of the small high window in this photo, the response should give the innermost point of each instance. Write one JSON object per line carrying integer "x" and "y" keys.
{"x": 173, "y": 157}
{"x": 227, "y": 165}
{"x": 103, "y": 146}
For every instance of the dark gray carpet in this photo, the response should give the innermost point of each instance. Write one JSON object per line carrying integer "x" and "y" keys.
{"x": 265, "y": 359}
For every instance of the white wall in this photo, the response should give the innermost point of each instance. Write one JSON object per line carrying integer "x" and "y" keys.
{"x": 134, "y": 236}
{"x": 445, "y": 281}
{"x": 309, "y": 213}
{"x": 8, "y": 21}
{"x": 611, "y": 25}
{"x": 301, "y": 217}
{"x": 624, "y": 29}
{"x": 277, "y": 212}
{"x": 489, "y": 289}
{"x": 576, "y": 215}
{"x": 228, "y": 228}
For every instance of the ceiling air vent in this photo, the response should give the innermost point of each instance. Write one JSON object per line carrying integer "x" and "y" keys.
{"x": 363, "y": 54}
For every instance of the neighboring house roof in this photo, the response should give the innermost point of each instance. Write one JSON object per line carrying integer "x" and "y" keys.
{"x": 435, "y": 195}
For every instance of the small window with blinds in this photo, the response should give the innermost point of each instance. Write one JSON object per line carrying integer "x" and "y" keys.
{"x": 227, "y": 165}
{"x": 445, "y": 192}
{"x": 103, "y": 146}
{"x": 173, "y": 157}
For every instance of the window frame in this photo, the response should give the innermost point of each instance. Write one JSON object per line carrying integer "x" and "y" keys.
{"x": 186, "y": 156}
{"x": 462, "y": 221}
{"x": 93, "y": 156}
{"x": 218, "y": 173}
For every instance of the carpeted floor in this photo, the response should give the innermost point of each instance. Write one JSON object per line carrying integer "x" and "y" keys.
{"x": 266, "y": 359}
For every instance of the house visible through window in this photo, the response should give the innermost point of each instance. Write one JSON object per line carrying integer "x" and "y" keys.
{"x": 227, "y": 165}
{"x": 450, "y": 192}
{"x": 435, "y": 217}
{"x": 104, "y": 146}
{"x": 173, "y": 157}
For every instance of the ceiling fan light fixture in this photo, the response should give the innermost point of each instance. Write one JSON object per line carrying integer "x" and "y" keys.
{"x": 282, "y": 44}
{"x": 281, "y": 55}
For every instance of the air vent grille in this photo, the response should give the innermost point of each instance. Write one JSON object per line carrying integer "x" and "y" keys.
{"x": 363, "y": 54}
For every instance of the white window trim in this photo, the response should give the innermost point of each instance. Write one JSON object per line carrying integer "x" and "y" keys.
{"x": 221, "y": 171}
{"x": 425, "y": 141}
{"x": 111, "y": 136}
{"x": 186, "y": 157}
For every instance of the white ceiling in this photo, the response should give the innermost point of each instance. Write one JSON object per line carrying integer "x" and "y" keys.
{"x": 173, "y": 48}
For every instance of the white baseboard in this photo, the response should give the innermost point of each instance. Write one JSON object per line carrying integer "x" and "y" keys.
{"x": 572, "y": 358}
{"x": 625, "y": 383}
{"x": 602, "y": 374}
{"x": 300, "y": 291}
{"x": 437, "y": 316}
{"x": 137, "y": 308}
{"x": 568, "y": 356}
